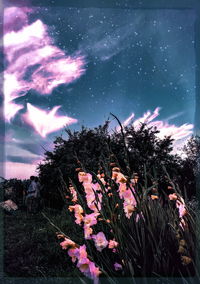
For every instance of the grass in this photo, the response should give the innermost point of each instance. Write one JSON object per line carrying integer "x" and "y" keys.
{"x": 31, "y": 248}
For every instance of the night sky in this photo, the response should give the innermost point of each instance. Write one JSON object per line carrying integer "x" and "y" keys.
{"x": 131, "y": 61}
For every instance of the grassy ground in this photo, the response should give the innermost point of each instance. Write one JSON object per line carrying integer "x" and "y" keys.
{"x": 31, "y": 248}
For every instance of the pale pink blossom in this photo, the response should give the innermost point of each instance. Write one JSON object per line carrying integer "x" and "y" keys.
{"x": 120, "y": 178}
{"x": 82, "y": 254}
{"x": 96, "y": 186}
{"x": 90, "y": 198}
{"x": 78, "y": 211}
{"x": 83, "y": 261}
{"x": 96, "y": 208}
{"x": 77, "y": 208}
{"x": 102, "y": 180}
{"x": 94, "y": 272}
{"x": 84, "y": 268}
{"x": 117, "y": 266}
{"x": 74, "y": 194}
{"x": 84, "y": 177}
{"x": 182, "y": 224}
{"x": 100, "y": 241}
{"x": 87, "y": 232}
{"x": 128, "y": 209}
{"x": 73, "y": 253}
{"x": 129, "y": 197}
{"x": 181, "y": 208}
{"x": 173, "y": 196}
{"x": 90, "y": 219}
{"x": 113, "y": 244}
{"x": 79, "y": 218}
{"x": 67, "y": 243}
{"x": 122, "y": 189}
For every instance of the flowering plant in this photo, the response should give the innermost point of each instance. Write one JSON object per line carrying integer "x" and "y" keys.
{"x": 124, "y": 225}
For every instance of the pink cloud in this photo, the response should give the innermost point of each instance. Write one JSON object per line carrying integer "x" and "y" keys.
{"x": 146, "y": 118}
{"x": 15, "y": 18}
{"x": 178, "y": 133}
{"x": 18, "y": 170}
{"x": 29, "y": 50}
{"x": 45, "y": 122}
{"x": 10, "y": 109}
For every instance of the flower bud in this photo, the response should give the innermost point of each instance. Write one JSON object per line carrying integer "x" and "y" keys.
{"x": 186, "y": 260}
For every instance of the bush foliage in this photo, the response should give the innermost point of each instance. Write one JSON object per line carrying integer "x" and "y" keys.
{"x": 132, "y": 150}
{"x": 124, "y": 192}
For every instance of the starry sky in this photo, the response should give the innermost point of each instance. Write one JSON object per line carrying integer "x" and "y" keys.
{"x": 122, "y": 61}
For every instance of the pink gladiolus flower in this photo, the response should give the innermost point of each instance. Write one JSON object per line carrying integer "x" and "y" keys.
{"x": 100, "y": 241}
{"x": 90, "y": 197}
{"x": 128, "y": 197}
{"x": 74, "y": 194}
{"x": 122, "y": 189}
{"x": 95, "y": 272}
{"x": 84, "y": 177}
{"x": 121, "y": 178}
{"x": 181, "y": 209}
{"x": 117, "y": 266}
{"x": 102, "y": 180}
{"x": 128, "y": 209}
{"x": 79, "y": 218}
{"x": 87, "y": 267}
{"x": 78, "y": 210}
{"x": 84, "y": 268}
{"x": 81, "y": 176}
{"x": 112, "y": 244}
{"x": 67, "y": 243}
{"x": 180, "y": 204}
{"x": 87, "y": 232}
{"x": 96, "y": 186}
{"x": 114, "y": 175}
{"x": 82, "y": 254}
{"x": 91, "y": 219}
{"x": 129, "y": 203}
{"x": 93, "y": 207}
{"x": 88, "y": 188}
{"x": 173, "y": 196}
{"x": 73, "y": 253}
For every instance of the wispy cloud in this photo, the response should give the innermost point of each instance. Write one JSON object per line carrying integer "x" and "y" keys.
{"x": 179, "y": 133}
{"x": 45, "y": 122}
{"x": 33, "y": 61}
{"x": 105, "y": 46}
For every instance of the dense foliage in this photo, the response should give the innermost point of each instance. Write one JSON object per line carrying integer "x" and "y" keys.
{"x": 134, "y": 151}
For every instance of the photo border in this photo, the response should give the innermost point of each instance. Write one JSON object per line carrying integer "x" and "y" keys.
{"x": 120, "y": 4}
